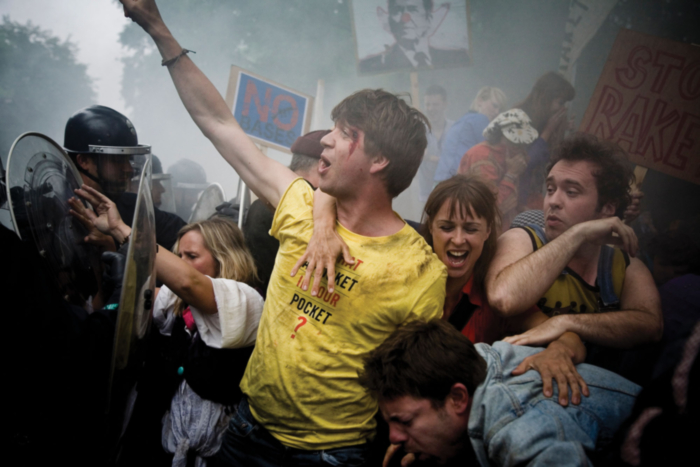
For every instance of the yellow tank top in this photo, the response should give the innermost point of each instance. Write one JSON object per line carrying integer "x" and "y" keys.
{"x": 571, "y": 294}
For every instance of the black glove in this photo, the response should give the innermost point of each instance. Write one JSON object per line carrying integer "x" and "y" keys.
{"x": 112, "y": 277}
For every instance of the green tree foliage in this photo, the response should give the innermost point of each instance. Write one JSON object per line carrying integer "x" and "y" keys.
{"x": 41, "y": 83}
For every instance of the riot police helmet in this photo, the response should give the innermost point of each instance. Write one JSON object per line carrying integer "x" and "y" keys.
{"x": 111, "y": 139}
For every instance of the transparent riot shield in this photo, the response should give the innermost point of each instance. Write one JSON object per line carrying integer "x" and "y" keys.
{"x": 244, "y": 202}
{"x": 40, "y": 180}
{"x": 162, "y": 191}
{"x": 209, "y": 199}
{"x": 135, "y": 307}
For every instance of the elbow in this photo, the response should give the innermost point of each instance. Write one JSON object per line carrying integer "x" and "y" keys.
{"x": 502, "y": 303}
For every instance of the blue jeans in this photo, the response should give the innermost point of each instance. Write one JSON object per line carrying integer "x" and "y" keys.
{"x": 248, "y": 443}
{"x": 512, "y": 423}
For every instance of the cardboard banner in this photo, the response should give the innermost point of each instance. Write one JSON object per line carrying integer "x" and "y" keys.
{"x": 648, "y": 101}
{"x": 585, "y": 18}
{"x": 271, "y": 114}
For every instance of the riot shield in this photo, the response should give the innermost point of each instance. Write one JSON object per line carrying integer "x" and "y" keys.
{"x": 40, "y": 180}
{"x": 135, "y": 307}
{"x": 162, "y": 190}
{"x": 209, "y": 199}
{"x": 244, "y": 202}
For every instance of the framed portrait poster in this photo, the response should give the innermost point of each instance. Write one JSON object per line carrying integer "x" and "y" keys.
{"x": 410, "y": 35}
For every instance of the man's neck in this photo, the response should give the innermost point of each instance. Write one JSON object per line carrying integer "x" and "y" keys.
{"x": 369, "y": 215}
{"x": 585, "y": 262}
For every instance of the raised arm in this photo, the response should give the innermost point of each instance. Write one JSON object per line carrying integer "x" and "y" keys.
{"x": 509, "y": 282}
{"x": 266, "y": 177}
{"x": 186, "y": 282}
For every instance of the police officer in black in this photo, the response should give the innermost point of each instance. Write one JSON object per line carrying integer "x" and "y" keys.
{"x": 102, "y": 143}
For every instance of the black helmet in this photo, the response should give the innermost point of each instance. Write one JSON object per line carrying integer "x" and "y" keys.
{"x": 103, "y": 131}
{"x": 98, "y": 125}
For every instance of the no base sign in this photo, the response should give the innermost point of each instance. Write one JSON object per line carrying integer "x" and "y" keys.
{"x": 271, "y": 114}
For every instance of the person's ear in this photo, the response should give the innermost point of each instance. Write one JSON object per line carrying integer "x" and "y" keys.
{"x": 83, "y": 160}
{"x": 379, "y": 163}
{"x": 458, "y": 398}
{"x": 608, "y": 210}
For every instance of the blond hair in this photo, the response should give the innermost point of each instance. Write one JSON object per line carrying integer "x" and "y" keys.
{"x": 489, "y": 92}
{"x": 225, "y": 241}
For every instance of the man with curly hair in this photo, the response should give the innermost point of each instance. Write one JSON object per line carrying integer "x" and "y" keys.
{"x": 568, "y": 268}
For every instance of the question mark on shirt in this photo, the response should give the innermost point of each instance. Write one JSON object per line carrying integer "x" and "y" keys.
{"x": 303, "y": 322}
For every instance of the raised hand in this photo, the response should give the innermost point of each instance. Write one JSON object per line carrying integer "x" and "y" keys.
{"x": 609, "y": 231}
{"x": 87, "y": 217}
{"x": 106, "y": 217}
{"x": 143, "y": 12}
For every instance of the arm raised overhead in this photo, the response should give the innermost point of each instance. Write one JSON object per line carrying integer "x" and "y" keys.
{"x": 266, "y": 177}
{"x": 518, "y": 276}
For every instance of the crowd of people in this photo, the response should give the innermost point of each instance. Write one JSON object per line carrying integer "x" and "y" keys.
{"x": 521, "y": 320}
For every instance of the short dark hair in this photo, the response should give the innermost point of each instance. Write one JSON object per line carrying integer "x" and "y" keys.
{"x": 614, "y": 175}
{"x": 423, "y": 360}
{"x": 437, "y": 90}
{"x": 469, "y": 192}
{"x": 302, "y": 163}
{"x": 392, "y": 129}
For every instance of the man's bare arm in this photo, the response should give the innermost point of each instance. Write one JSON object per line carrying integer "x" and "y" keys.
{"x": 638, "y": 322}
{"x": 519, "y": 277}
{"x": 511, "y": 287}
{"x": 266, "y": 177}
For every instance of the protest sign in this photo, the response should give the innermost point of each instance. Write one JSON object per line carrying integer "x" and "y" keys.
{"x": 647, "y": 101}
{"x": 271, "y": 114}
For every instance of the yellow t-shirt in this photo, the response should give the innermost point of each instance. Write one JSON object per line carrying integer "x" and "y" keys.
{"x": 301, "y": 381}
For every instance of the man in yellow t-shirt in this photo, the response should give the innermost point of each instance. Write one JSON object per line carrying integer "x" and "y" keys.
{"x": 305, "y": 405}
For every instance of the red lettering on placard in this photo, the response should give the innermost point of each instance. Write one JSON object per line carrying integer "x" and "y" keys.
{"x": 632, "y": 122}
{"x": 634, "y": 74}
{"x": 609, "y": 104}
{"x": 251, "y": 93}
{"x": 665, "y": 63}
{"x": 678, "y": 156}
{"x": 652, "y": 134}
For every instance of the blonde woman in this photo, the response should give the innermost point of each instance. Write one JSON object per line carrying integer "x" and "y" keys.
{"x": 467, "y": 132}
{"x": 205, "y": 309}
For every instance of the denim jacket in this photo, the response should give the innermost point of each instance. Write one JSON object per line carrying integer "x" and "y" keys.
{"x": 512, "y": 423}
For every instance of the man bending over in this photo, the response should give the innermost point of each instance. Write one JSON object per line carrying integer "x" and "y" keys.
{"x": 447, "y": 399}
{"x": 304, "y": 402}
